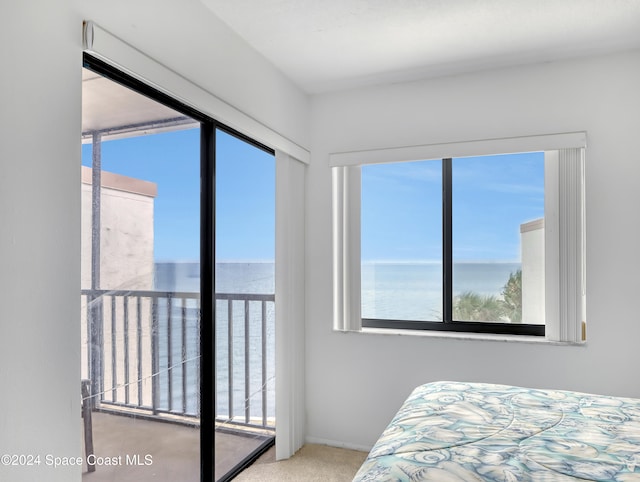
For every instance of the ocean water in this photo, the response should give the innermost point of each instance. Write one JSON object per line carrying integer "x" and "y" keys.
{"x": 411, "y": 291}
{"x": 234, "y": 278}
{"x": 245, "y": 278}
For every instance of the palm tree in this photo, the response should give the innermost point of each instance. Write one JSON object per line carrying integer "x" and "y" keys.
{"x": 470, "y": 306}
{"x": 507, "y": 307}
{"x": 512, "y": 297}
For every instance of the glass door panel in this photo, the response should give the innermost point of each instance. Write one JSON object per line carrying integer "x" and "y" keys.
{"x": 140, "y": 286}
{"x": 245, "y": 303}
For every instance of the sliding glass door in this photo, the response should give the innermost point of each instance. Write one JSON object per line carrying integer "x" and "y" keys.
{"x": 245, "y": 302}
{"x": 178, "y": 287}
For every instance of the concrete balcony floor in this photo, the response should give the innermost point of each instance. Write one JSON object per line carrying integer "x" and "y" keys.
{"x": 174, "y": 450}
{"x": 140, "y": 450}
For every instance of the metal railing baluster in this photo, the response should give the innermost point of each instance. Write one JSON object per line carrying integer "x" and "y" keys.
{"x": 198, "y": 331}
{"x": 139, "y": 347}
{"x": 230, "y": 355}
{"x": 125, "y": 304}
{"x": 264, "y": 362}
{"x": 169, "y": 353}
{"x": 184, "y": 354}
{"x": 149, "y": 353}
{"x": 114, "y": 348}
{"x": 247, "y": 369}
{"x": 155, "y": 357}
{"x": 89, "y": 349}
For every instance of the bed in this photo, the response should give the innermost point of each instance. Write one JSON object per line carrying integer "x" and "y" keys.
{"x": 453, "y": 432}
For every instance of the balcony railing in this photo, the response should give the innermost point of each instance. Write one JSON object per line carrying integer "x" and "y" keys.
{"x": 143, "y": 354}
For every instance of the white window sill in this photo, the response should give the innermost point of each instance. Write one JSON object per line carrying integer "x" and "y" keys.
{"x": 538, "y": 340}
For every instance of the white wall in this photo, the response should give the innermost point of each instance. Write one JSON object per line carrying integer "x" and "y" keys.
{"x": 356, "y": 382}
{"x": 40, "y": 124}
{"x": 40, "y": 241}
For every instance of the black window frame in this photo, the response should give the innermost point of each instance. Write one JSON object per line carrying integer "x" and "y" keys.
{"x": 448, "y": 323}
{"x": 208, "y": 128}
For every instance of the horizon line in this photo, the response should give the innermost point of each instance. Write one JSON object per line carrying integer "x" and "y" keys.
{"x": 432, "y": 261}
{"x": 364, "y": 261}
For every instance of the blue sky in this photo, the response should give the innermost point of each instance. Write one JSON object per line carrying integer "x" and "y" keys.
{"x": 492, "y": 196}
{"x": 245, "y": 192}
{"x": 401, "y": 217}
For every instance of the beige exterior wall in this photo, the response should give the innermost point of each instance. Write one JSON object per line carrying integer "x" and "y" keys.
{"x": 126, "y": 235}
{"x": 532, "y": 246}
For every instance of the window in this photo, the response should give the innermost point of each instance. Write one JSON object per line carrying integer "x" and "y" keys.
{"x": 441, "y": 242}
{"x": 489, "y": 243}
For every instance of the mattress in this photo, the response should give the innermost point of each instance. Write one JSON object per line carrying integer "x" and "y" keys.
{"x": 452, "y": 432}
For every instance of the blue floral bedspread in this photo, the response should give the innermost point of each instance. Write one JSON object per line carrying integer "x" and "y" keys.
{"x": 453, "y": 432}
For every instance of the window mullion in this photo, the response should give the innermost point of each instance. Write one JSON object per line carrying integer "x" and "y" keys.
{"x": 447, "y": 242}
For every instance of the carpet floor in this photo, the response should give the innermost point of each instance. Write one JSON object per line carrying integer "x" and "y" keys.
{"x": 312, "y": 463}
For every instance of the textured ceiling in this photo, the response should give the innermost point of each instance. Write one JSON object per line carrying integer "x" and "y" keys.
{"x": 325, "y": 45}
